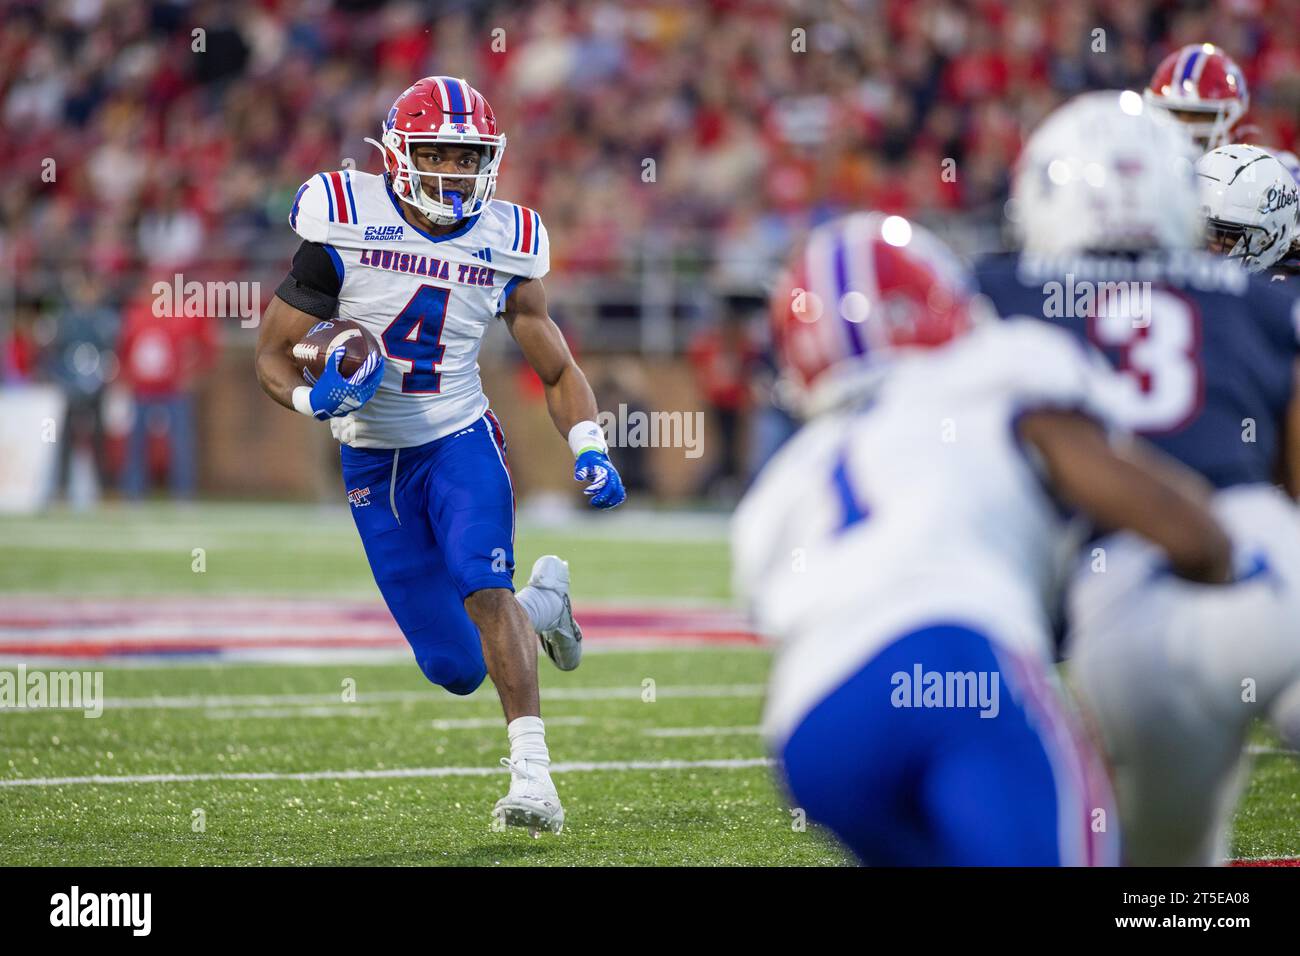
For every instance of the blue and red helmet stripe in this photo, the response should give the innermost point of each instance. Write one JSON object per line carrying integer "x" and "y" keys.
{"x": 842, "y": 289}
{"x": 455, "y": 99}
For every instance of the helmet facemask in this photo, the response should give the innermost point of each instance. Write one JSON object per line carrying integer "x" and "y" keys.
{"x": 1255, "y": 246}
{"x": 1210, "y": 126}
{"x": 1210, "y": 129}
{"x": 1250, "y": 204}
{"x": 407, "y": 182}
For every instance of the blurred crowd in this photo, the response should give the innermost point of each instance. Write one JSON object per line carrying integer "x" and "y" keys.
{"x": 171, "y": 147}
{"x": 146, "y": 138}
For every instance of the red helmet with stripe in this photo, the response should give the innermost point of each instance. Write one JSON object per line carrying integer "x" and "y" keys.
{"x": 1203, "y": 87}
{"x": 441, "y": 109}
{"x": 861, "y": 290}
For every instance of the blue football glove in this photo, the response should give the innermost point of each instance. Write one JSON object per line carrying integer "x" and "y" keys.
{"x": 334, "y": 396}
{"x": 606, "y": 488}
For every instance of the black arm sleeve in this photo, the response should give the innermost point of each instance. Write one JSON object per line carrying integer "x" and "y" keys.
{"x": 312, "y": 285}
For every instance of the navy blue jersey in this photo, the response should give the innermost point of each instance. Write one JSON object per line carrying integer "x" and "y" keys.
{"x": 1207, "y": 351}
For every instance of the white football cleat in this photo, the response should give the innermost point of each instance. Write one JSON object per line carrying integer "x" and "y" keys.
{"x": 532, "y": 801}
{"x": 563, "y": 639}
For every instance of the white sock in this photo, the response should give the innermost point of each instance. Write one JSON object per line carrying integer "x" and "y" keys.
{"x": 528, "y": 741}
{"x": 542, "y": 606}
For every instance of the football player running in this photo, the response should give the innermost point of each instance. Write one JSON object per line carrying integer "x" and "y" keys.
{"x": 426, "y": 258}
{"x": 904, "y": 545}
{"x": 1105, "y": 197}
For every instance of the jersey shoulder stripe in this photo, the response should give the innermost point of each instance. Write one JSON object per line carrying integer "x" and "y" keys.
{"x": 338, "y": 192}
{"x": 524, "y": 247}
{"x": 528, "y": 230}
{"x": 347, "y": 183}
{"x": 297, "y": 202}
{"x": 323, "y": 200}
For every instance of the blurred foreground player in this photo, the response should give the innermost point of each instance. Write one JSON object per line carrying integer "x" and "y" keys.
{"x": 904, "y": 546}
{"x": 1106, "y": 198}
{"x": 426, "y": 259}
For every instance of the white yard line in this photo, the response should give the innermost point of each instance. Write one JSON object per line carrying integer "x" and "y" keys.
{"x": 240, "y": 701}
{"x": 390, "y": 696}
{"x": 296, "y": 713}
{"x": 468, "y": 723}
{"x": 615, "y": 766}
{"x": 701, "y": 731}
{"x": 490, "y": 723}
{"x": 355, "y": 710}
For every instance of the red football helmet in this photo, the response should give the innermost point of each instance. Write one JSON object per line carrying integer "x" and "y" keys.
{"x": 441, "y": 109}
{"x": 861, "y": 290}
{"x": 1203, "y": 87}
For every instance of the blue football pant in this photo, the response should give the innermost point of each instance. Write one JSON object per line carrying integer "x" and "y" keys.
{"x": 437, "y": 523}
{"x": 943, "y": 786}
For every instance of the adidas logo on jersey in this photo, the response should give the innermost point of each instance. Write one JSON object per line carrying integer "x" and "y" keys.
{"x": 484, "y": 254}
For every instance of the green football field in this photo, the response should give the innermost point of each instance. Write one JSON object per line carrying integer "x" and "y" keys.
{"x": 357, "y": 760}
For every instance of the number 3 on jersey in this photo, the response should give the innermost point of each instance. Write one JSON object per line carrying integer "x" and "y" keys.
{"x": 415, "y": 336}
{"x": 1159, "y": 358}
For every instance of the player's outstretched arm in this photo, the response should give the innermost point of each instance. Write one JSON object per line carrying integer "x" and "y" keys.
{"x": 1134, "y": 489}
{"x": 569, "y": 398}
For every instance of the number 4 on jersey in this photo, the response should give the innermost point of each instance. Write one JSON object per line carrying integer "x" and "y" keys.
{"x": 415, "y": 336}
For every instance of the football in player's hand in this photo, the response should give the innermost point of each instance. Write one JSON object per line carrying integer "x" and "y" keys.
{"x": 324, "y": 338}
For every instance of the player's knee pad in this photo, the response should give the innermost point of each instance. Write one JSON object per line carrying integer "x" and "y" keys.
{"x": 453, "y": 668}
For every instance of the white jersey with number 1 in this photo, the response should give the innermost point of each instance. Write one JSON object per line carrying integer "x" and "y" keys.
{"x": 427, "y": 299}
{"x": 922, "y": 508}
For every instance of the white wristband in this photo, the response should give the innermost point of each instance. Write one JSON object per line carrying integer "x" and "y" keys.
{"x": 302, "y": 400}
{"x": 585, "y": 436}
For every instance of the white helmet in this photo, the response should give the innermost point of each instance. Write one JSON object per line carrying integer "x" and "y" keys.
{"x": 1251, "y": 204}
{"x": 1106, "y": 173}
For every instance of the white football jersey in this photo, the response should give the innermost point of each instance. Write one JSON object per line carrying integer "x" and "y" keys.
{"x": 427, "y": 299}
{"x": 922, "y": 507}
